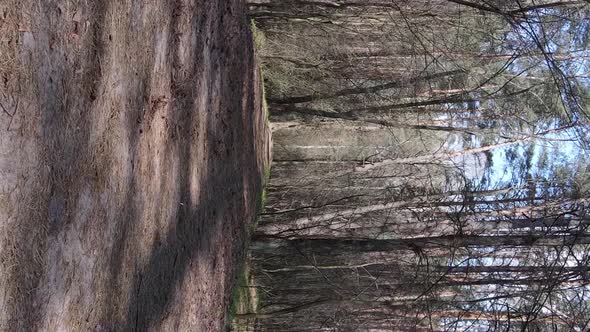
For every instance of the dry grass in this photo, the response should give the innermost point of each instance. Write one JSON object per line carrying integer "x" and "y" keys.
{"x": 23, "y": 181}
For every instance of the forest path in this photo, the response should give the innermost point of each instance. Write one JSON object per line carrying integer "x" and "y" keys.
{"x": 132, "y": 152}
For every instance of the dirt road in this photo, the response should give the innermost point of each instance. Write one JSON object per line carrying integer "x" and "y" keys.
{"x": 132, "y": 148}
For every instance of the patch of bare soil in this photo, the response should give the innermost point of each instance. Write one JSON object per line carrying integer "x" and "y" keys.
{"x": 132, "y": 148}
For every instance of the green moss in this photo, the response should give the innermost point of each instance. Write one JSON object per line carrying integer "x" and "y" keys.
{"x": 243, "y": 299}
{"x": 240, "y": 297}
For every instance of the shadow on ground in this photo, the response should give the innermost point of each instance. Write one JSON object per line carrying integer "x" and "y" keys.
{"x": 132, "y": 165}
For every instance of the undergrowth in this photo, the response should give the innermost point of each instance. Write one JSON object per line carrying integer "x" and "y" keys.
{"x": 244, "y": 298}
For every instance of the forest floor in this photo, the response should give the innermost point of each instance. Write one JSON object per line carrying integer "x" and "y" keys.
{"x": 132, "y": 154}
